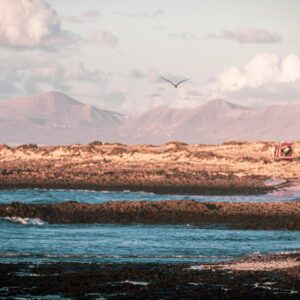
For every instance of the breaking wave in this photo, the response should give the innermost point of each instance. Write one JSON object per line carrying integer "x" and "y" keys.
{"x": 62, "y": 256}
{"x": 25, "y": 221}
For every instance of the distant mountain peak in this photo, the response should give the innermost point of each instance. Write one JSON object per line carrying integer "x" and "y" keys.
{"x": 55, "y": 118}
{"x": 56, "y": 96}
{"x": 221, "y": 103}
{"x": 54, "y": 93}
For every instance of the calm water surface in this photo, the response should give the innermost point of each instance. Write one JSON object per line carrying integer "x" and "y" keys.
{"x": 56, "y": 196}
{"x": 36, "y": 242}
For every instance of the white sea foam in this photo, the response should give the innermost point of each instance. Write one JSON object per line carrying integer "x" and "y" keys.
{"x": 197, "y": 268}
{"x": 136, "y": 282}
{"x": 47, "y": 297}
{"x": 286, "y": 252}
{"x": 25, "y": 274}
{"x": 25, "y": 221}
{"x": 12, "y": 254}
{"x": 269, "y": 283}
{"x": 274, "y": 181}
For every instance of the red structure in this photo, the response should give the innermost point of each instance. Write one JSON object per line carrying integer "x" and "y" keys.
{"x": 284, "y": 150}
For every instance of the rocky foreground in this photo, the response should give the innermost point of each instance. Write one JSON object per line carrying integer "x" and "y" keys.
{"x": 278, "y": 215}
{"x": 230, "y": 168}
{"x": 268, "y": 277}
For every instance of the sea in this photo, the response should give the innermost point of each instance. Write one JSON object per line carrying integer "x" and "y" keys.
{"x": 34, "y": 241}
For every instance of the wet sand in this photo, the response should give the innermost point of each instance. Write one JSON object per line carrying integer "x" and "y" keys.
{"x": 277, "y": 215}
{"x": 283, "y": 261}
{"x": 155, "y": 281}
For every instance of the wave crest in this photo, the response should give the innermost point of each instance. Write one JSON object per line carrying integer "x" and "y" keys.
{"x": 25, "y": 221}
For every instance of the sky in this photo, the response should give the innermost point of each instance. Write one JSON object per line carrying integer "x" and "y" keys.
{"x": 111, "y": 54}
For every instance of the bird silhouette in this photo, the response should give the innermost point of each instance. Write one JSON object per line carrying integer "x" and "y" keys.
{"x": 174, "y": 84}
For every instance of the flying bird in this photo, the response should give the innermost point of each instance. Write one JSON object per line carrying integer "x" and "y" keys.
{"x": 174, "y": 84}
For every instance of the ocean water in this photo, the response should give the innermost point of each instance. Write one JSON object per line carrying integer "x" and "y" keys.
{"x": 36, "y": 196}
{"x": 136, "y": 243}
{"x": 34, "y": 241}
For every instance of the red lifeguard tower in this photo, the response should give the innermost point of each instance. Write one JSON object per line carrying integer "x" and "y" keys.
{"x": 285, "y": 151}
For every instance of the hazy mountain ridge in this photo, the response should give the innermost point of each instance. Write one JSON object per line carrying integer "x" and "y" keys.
{"x": 54, "y": 118}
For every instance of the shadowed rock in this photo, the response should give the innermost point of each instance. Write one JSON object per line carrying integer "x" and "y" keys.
{"x": 236, "y": 215}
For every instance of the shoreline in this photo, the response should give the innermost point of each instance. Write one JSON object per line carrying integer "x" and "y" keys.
{"x": 238, "y": 215}
{"x": 258, "y": 262}
{"x": 156, "y": 281}
{"x": 183, "y": 190}
{"x": 205, "y": 190}
{"x": 243, "y": 168}
{"x": 236, "y": 168}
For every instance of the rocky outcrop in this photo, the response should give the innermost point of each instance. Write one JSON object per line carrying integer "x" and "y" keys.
{"x": 236, "y": 215}
{"x": 150, "y": 281}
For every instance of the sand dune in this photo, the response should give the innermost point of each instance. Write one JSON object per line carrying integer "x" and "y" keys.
{"x": 176, "y": 167}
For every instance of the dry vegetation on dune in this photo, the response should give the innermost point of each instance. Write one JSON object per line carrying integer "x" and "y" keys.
{"x": 178, "y": 167}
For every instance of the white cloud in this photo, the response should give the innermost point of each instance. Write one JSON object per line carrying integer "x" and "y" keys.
{"x": 102, "y": 38}
{"x": 77, "y": 71}
{"x": 89, "y": 15}
{"x": 137, "y": 74}
{"x": 114, "y": 99}
{"x": 265, "y": 75}
{"x": 33, "y": 73}
{"x": 144, "y": 14}
{"x": 30, "y": 24}
{"x": 249, "y": 35}
{"x": 187, "y": 36}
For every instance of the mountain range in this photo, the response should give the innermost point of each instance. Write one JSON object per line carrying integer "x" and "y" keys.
{"x": 54, "y": 118}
